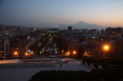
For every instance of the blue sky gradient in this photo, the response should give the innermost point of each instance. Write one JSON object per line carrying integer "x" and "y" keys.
{"x": 48, "y": 13}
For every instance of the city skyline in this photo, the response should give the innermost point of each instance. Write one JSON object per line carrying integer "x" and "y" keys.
{"x": 48, "y": 13}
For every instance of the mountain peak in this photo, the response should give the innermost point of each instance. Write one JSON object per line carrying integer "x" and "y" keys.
{"x": 81, "y": 25}
{"x": 81, "y": 22}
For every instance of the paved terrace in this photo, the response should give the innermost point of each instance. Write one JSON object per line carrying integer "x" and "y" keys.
{"x": 24, "y": 74}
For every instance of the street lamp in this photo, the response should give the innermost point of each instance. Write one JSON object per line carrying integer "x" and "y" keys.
{"x": 106, "y": 48}
{"x": 16, "y": 53}
{"x": 67, "y": 54}
{"x": 62, "y": 51}
{"x": 74, "y": 52}
{"x": 26, "y": 54}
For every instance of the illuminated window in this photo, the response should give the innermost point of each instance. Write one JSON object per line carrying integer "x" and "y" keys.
{"x": 16, "y": 48}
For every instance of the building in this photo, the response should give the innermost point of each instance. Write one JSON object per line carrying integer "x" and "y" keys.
{"x": 77, "y": 31}
{"x": 21, "y": 48}
{"x": 4, "y": 31}
{"x": 92, "y": 49}
{"x": 63, "y": 33}
{"x": 70, "y": 39}
{"x": 93, "y": 31}
{"x": 74, "y": 47}
{"x": 91, "y": 39}
{"x": 38, "y": 33}
{"x": 102, "y": 31}
{"x": 84, "y": 30}
{"x": 117, "y": 48}
{"x": 4, "y": 46}
{"x": 16, "y": 39}
{"x": 114, "y": 32}
{"x": 70, "y": 28}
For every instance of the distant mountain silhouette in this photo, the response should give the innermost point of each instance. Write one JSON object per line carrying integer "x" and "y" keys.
{"x": 81, "y": 25}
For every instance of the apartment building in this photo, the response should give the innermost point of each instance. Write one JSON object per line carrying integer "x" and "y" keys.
{"x": 4, "y": 46}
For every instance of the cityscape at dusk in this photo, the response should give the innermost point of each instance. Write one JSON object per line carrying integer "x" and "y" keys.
{"x": 61, "y": 40}
{"x": 50, "y": 13}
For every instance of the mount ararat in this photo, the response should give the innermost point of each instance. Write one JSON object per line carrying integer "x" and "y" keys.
{"x": 81, "y": 25}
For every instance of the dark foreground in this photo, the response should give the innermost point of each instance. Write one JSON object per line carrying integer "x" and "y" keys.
{"x": 94, "y": 75}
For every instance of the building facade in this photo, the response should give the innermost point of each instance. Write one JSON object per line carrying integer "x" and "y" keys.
{"x": 117, "y": 48}
{"x": 4, "y": 47}
{"x": 74, "y": 47}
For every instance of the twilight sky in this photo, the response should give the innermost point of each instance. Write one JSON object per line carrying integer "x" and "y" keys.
{"x": 47, "y": 13}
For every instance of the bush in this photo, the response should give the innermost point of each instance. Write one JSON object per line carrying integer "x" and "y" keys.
{"x": 94, "y": 75}
{"x": 60, "y": 76}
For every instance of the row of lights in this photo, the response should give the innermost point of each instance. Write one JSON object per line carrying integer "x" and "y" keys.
{"x": 105, "y": 47}
{"x": 16, "y": 53}
{"x": 68, "y": 53}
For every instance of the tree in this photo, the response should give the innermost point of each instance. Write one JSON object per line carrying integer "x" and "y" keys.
{"x": 60, "y": 44}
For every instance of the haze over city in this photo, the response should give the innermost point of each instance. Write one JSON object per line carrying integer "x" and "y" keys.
{"x": 49, "y": 13}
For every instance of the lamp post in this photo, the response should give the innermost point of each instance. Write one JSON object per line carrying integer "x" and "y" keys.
{"x": 106, "y": 48}
{"x": 74, "y": 52}
{"x": 16, "y": 53}
{"x": 26, "y": 54}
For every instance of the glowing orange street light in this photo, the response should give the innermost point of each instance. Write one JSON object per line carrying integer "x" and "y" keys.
{"x": 16, "y": 53}
{"x": 31, "y": 52}
{"x": 26, "y": 53}
{"x": 74, "y": 52}
{"x": 62, "y": 51}
{"x": 68, "y": 53}
{"x": 106, "y": 47}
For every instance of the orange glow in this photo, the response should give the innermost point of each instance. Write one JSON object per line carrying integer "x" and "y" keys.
{"x": 26, "y": 54}
{"x": 31, "y": 52}
{"x": 106, "y": 47}
{"x": 74, "y": 52}
{"x": 68, "y": 53}
{"x": 62, "y": 50}
{"x": 16, "y": 53}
